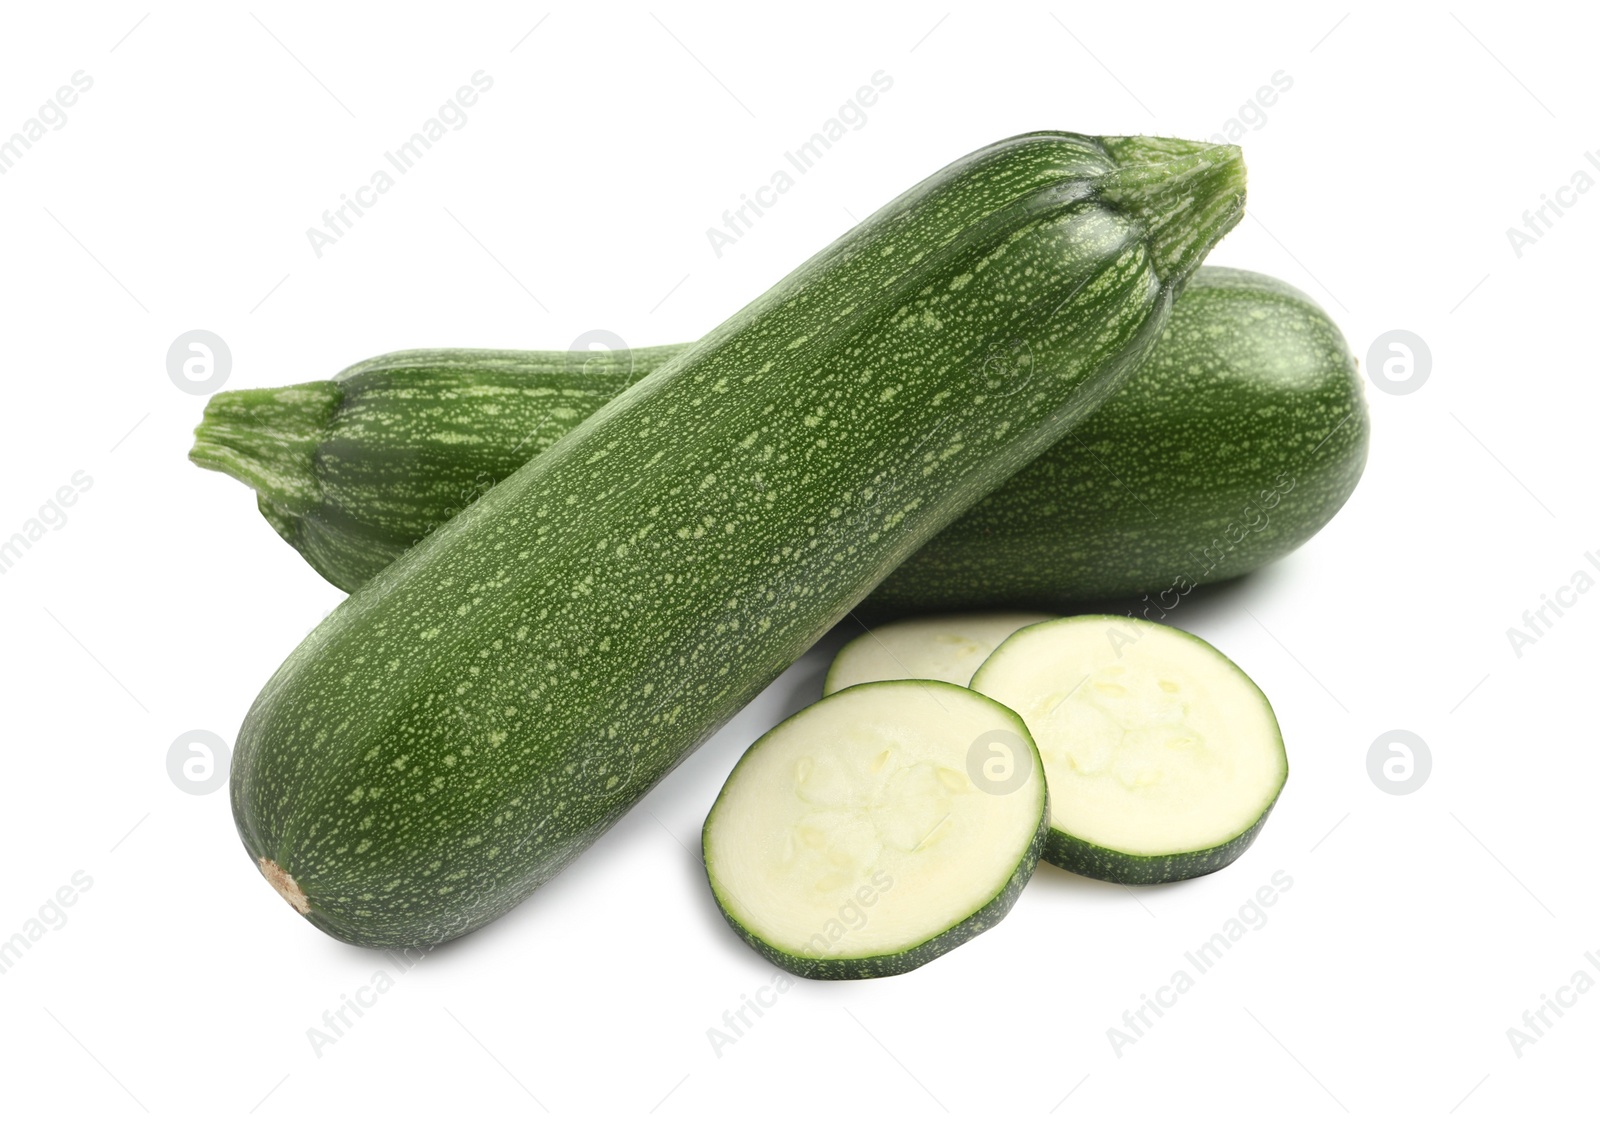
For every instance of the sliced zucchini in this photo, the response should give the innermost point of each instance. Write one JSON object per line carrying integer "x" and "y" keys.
{"x": 877, "y": 829}
{"x": 1162, "y": 758}
{"x": 944, "y": 648}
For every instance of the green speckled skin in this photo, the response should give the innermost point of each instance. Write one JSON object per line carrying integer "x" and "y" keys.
{"x": 1241, "y": 437}
{"x": 354, "y": 470}
{"x": 466, "y": 724}
{"x": 1138, "y": 499}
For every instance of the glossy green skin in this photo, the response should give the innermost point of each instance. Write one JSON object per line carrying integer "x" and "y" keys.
{"x": 920, "y": 954}
{"x": 1240, "y": 396}
{"x": 463, "y": 726}
{"x": 1240, "y": 438}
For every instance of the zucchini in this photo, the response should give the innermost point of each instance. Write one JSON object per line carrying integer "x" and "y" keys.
{"x": 466, "y": 724}
{"x": 1162, "y": 757}
{"x": 946, "y": 648}
{"x": 857, "y": 839}
{"x": 1241, "y": 436}
{"x": 1238, "y": 440}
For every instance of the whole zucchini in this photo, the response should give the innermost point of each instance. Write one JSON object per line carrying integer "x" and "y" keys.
{"x": 1237, "y": 440}
{"x": 462, "y": 727}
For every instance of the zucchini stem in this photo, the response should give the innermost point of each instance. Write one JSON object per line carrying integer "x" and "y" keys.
{"x": 1187, "y": 194}
{"x": 268, "y": 439}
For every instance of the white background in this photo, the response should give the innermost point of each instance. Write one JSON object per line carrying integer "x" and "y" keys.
{"x": 576, "y": 197}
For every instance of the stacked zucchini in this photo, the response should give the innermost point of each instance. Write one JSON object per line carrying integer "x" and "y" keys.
{"x": 568, "y": 571}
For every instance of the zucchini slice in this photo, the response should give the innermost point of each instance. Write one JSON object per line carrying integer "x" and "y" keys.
{"x": 945, "y": 648}
{"x": 877, "y": 829}
{"x": 1162, "y": 757}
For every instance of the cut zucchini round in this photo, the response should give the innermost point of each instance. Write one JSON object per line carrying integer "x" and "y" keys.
{"x": 1162, "y": 757}
{"x": 943, "y": 648}
{"x": 877, "y": 829}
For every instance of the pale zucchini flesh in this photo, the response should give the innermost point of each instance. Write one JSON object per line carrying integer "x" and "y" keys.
{"x": 1162, "y": 757}
{"x": 943, "y": 648}
{"x": 871, "y": 832}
